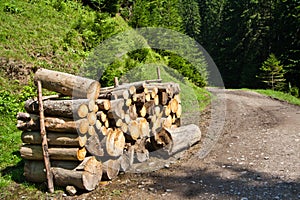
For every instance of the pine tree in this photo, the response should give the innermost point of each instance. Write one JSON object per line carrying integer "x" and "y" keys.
{"x": 191, "y": 18}
{"x": 272, "y": 73}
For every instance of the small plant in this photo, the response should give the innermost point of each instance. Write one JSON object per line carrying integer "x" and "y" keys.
{"x": 9, "y": 104}
{"x": 272, "y": 73}
{"x": 11, "y": 8}
{"x": 293, "y": 91}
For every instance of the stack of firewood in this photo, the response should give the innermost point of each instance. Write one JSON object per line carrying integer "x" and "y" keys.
{"x": 93, "y": 133}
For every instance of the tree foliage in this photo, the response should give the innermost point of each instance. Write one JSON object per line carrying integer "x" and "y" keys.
{"x": 272, "y": 73}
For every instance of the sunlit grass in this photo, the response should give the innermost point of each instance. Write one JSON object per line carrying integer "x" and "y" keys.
{"x": 281, "y": 96}
{"x": 278, "y": 95}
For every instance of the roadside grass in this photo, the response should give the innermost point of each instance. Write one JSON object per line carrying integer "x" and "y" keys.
{"x": 279, "y": 95}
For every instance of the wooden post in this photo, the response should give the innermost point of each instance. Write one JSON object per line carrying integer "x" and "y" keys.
{"x": 116, "y": 82}
{"x": 44, "y": 139}
{"x": 158, "y": 73}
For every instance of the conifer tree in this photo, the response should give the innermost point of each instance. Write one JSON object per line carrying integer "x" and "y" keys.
{"x": 272, "y": 73}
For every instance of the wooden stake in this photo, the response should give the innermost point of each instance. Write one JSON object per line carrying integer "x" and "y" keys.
{"x": 116, "y": 82}
{"x": 44, "y": 140}
{"x": 158, "y": 73}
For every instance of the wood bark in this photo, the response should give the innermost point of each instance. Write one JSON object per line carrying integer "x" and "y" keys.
{"x": 77, "y": 108}
{"x": 192, "y": 135}
{"x": 44, "y": 139}
{"x": 127, "y": 158}
{"x": 34, "y": 170}
{"x": 116, "y": 110}
{"x": 61, "y": 139}
{"x": 85, "y": 177}
{"x": 132, "y": 87}
{"x": 34, "y": 152}
{"x": 142, "y": 154}
{"x": 68, "y": 84}
{"x": 51, "y": 124}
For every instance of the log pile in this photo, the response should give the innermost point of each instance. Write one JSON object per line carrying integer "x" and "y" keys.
{"x": 94, "y": 133}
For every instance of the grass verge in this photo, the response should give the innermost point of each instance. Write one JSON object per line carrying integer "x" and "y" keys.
{"x": 280, "y": 96}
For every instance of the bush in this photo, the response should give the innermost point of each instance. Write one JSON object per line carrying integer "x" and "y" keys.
{"x": 9, "y": 103}
{"x": 294, "y": 91}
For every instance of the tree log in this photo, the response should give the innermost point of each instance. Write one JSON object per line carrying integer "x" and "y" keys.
{"x": 34, "y": 152}
{"x": 127, "y": 158}
{"x": 82, "y": 139}
{"x": 62, "y": 139}
{"x": 192, "y": 135}
{"x": 103, "y": 104}
{"x": 51, "y": 124}
{"x": 163, "y": 98}
{"x": 68, "y": 84}
{"x": 62, "y": 108}
{"x": 142, "y": 154}
{"x": 144, "y": 127}
{"x": 132, "y": 112}
{"x": 91, "y": 130}
{"x": 134, "y": 129}
{"x": 167, "y": 122}
{"x": 86, "y": 177}
{"x": 139, "y": 98}
{"x": 170, "y": 88}
{"x": 116, "y": 111}
{"x": 92, "y": 118}
{"x": 115, "y": 142}
{"x": 34, "y": 171}
{"x": 94, "y": 146}
{"x": 179, "y": 111}
{"x": 82, "y": 126}
{"x": 111, "y": 169}
{"x": 102, "y": 116}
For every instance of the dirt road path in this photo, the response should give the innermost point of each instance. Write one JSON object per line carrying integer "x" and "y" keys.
{"x": 257, "y": 156}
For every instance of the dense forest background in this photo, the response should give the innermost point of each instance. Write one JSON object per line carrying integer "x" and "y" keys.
{"x": 241, "y": 36}
{"x": 255, "y": 44}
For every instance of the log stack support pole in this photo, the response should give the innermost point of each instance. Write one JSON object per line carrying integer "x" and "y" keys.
{"x": 44, "y": 140}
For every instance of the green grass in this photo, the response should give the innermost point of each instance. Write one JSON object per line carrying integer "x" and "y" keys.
{"x": 10, "y": 160}
{"x": 38, "y": 33}
{"x": 281, "y": 96}
{"x": 278, "y": 95}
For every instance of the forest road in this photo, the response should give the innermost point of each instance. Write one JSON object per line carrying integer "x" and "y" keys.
{"x": 256, "y": 156}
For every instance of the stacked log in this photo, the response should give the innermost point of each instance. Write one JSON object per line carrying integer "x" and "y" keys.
{"x": 68, "y": 121}
{"x": 138, "y": 111}
{"x": 93, "y": 134}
